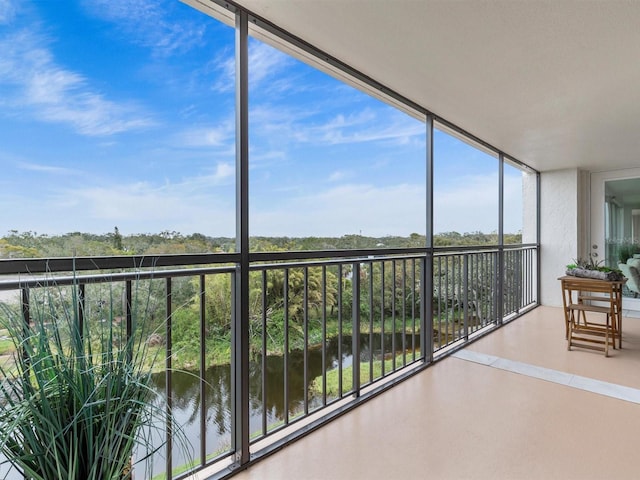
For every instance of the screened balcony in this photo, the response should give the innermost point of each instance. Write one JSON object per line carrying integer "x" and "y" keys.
{"x": 326, "y": 332}
{"x": 516, "y": 113}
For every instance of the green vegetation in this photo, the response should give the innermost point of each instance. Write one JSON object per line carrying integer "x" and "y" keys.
{"x": 77, "y": 402}
{"x": 333, "y": 376}
{"x": 16, "y": 244}
{"x": 313, "y": 303}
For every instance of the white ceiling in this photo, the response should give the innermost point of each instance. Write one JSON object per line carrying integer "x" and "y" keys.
{"x": 555, "y": 83}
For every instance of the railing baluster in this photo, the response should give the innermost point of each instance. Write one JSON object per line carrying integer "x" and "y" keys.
{"x": 129, "y": 320}
{"x": 324, "y": 335}
{"x": 81, "y": 309}
{"x": 371, "y": 307}
{"x": 382, "y": 306}
{"x": 305, "y": 305}
{"x": 340, "y": 280}
{"x": 465, "y": 291}
{"x": 286, "y": 346}
{"x": 393, "y": 314}
{"x": 404, "y": 311}
{"x": 168, "y": 378}
{"x": 413, "y": 309}
{"x": 203, "y": 371}
{"x": 264, "y": 353}
{"x": 355, "y": 328}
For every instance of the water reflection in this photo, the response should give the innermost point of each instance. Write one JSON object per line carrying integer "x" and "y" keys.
{"x": 187, "y": 401}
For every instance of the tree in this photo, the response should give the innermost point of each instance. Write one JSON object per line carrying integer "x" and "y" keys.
{"x": 117, "y": 239}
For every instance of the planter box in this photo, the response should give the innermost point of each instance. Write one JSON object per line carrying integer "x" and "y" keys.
{"x": 585, "y": 273}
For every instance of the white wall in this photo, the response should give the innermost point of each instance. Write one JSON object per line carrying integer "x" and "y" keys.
{"x": 564, "y": 207}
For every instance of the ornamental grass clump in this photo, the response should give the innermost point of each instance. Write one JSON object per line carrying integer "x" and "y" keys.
{"x": 77, "y": 403}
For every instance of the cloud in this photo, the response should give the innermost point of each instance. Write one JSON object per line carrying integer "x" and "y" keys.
{"x": 220, "y": 135}
{"x": 471, "y": 204}
{"x": 150, "y": 24}
{"x": 38, "y": 86}
{"x": 49, "y": 169}
{"x": 370, "y": 126}
{"x": 7, "y": 11}
{"x": 374, "y": 211}
{"x": 306, "y": 124}
{"x": 190, "y": 206}
{"x": 339, "y": 175}
{"x": 265, "y": 65}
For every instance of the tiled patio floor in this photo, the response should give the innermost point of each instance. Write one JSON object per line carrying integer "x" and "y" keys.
{"x": 513, "y": 405}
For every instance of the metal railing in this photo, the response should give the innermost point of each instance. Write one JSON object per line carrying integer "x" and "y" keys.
{"x": 327, "y": 329}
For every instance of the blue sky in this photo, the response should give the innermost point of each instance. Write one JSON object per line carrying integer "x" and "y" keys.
{"x": 122, "y": 113}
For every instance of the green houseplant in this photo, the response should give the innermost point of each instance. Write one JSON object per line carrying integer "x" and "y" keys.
{"x": 77, "y": 402}
{"x": 590, "y": 268}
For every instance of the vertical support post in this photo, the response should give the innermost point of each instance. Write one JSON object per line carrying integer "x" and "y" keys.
{"x": 538, "y": 268}
{"x": 240, "y": 323}
{"x": 500, "y": 276}
{"x": 426, "y": 270}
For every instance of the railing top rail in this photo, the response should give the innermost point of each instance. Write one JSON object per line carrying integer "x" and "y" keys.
{"x": 35, "y": 266}
{"x": 49, "y": 280}
{"x": 76, "y": 264}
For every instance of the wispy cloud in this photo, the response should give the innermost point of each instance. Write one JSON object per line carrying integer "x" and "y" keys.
{"x": 38, "y": 86}
{"x": 339, "y": 175}
{"x": 369, "y": 126}
{"x": 287, "y": 124}
{"x": 355, "y": 208}
{"x": 265, "y": 66}
{"x": 454, "y": 211}
{"x": 148, "y": 24}
{"x": 219, "y": 135}
{"x": 7, "y": 11}
{"x": 49, "y": 169}
{"x": 193, "y": 205}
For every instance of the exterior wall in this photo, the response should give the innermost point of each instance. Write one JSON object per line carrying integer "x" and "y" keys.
{"x": 564, "y": 226}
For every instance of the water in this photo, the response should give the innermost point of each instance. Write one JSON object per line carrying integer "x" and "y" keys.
{"x": 186, "y": 392}
{"x": 187, "y": 404}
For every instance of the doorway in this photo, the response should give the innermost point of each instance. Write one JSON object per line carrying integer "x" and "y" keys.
{"x": 615, "y": 222}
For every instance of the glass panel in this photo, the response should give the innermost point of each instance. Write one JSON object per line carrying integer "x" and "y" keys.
{"x": 329, "y": 162}
{"x": 465, "y": 192}
{"x": 622, "y": 232}
{"x": 117, "y": 117}
{"x": 622, "y": 205}
{"x": 512, "y": 204}
{"x": 519, "y": 205}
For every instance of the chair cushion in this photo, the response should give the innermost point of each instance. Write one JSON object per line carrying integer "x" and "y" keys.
{"x": 634, "y": 262}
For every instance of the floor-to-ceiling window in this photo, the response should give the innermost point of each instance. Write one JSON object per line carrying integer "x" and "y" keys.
{"x": 328, "y": 162}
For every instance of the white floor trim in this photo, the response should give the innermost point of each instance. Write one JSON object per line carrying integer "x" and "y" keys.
{"x": 613, "y": 390}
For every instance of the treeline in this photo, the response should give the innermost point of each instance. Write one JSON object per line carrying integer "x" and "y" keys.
{"x": 30, "y": 244}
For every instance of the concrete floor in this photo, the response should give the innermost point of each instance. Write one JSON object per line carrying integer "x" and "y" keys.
{"x": 513, "y": 405}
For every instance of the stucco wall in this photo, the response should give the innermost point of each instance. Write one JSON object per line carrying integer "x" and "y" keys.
{"x": 563, "y": 208}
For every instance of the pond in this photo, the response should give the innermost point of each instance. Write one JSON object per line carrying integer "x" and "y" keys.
{"x": 187, "y": 404}
{"x": 186, "y": 392}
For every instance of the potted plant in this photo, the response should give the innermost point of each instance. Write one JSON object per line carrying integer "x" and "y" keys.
{"x": 590, "y": 268}
{"x": 77, "y": 403}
